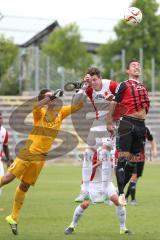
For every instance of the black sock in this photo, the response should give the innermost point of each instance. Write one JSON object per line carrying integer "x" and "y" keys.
{"x": 133, "y": 190}
{"x": 128, "y": 191}
{"x": 120, "y": 174}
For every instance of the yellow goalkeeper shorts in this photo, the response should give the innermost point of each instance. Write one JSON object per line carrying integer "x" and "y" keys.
{"x": 27, "y": 171}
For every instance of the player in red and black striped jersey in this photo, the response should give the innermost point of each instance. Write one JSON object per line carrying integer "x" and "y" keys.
{"x": 131, "y": 131}
{"x": 138, "y": 170}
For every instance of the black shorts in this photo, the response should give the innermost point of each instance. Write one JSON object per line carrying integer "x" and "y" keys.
{"x": 139, "y": 169}
{"x": 131, "y": 135}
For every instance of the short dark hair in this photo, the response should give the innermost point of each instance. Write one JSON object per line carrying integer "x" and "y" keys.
{"x": 42, "y": 93}
{"x": 93, "y": 71}
{"x": 132, "y": 60}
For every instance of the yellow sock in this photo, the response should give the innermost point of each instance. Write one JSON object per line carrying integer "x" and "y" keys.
{"x": 1, "y": 184}
{"x": 17, "y": 204}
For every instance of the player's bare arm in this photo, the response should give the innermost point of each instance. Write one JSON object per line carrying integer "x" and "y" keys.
{"x": 154, "y": 148}
{"x": 7, "y": 155}
{"x": 109, "y": 116}
{"x": 98, "y": 163}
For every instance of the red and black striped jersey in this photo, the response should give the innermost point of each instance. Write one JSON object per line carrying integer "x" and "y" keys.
{"x": 133, "y": 96}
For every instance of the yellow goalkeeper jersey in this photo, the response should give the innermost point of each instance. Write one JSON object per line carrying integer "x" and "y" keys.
{"x": 46, "y": 126}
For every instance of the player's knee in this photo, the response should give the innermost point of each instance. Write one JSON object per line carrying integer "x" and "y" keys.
{"x": 134, "y": 178}
{"x": 24, "y": 186}
{"x": 114, "y": 199}
{"x": 85, "y": 204}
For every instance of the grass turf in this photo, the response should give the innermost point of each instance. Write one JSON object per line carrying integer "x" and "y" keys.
{"x": 49, "y": 207}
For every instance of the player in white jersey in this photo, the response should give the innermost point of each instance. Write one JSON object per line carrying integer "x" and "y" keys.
{"x": 95, "y": 187}
{"x": 100, "y": 92}
{"x": 3, "y": 148}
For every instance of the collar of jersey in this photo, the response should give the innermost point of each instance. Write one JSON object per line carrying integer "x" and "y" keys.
{"x": 134, "y": 80}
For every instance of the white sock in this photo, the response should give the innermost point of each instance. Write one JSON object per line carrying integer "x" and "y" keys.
{"x": 78, "y": 212}
{"x": 121, "y": 214}
{"x": 87, "y": 169}
{"x": 105, "y": 156}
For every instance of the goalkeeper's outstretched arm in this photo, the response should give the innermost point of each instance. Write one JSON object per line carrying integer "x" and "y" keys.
{"x": 79, "y": 96}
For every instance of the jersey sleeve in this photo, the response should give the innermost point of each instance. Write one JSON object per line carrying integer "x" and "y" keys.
{"x": 6, "y": 139}
{"x": 112, "y": 86}
{"x": 67, "y": 110}
{"x": 37, "y": 111}
{"x": 149, "y": 135}
{"x": 119, "y": 92}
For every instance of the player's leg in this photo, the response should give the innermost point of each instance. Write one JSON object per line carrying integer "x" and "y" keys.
{"x": 82, "y": 194}
{"x": 87, "y": 170}
{"x": 124, "y": 143}
{"x": 132, "y": 184}
{"x": 135, "y": 177}
{"x": 130, "y": 169}
{"x": 16, "y": 169}
{"x": 78, "y": 212}
{"x": 10, "y": 176}
{"x": 80, "y": 197}
{"x": 122, "y": 175}
{"x": 127, "y": 192}
{"x": 131, "y": 191}
{"x": 13, "y": 218}
{"x": 121, "y": 210}
{"x": 137, "y": 149}
{"x": 28, "y": 172}
{"x": 87, "y": 161}
{"x": 104, "y": 155}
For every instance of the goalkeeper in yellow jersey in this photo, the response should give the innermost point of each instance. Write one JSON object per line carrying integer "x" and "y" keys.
{"x": 30, "y": 160}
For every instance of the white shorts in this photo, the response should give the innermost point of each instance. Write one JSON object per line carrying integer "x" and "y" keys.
{"x": 96, "y": 194}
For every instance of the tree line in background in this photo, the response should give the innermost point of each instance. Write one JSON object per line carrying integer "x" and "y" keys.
{"x": 65, "y": 47}
{"x": 144, "y": 36}
{"x": 8, "y": 78}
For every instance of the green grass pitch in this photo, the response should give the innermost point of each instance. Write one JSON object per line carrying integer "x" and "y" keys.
{"x": 49, "y": 207}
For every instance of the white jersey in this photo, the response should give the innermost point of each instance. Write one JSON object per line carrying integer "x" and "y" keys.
{"x": 3, "y": 139}
{"x": 99, "y": 99}
{"x": 97, "y": 175}
{"x": 101, "y": 105}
